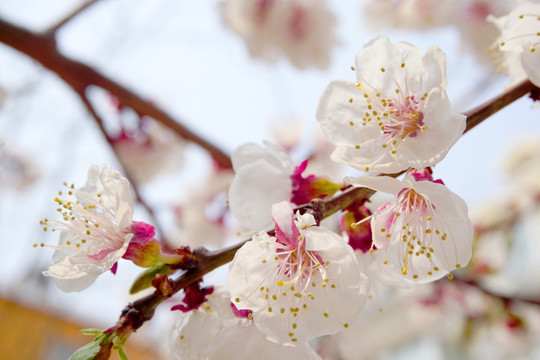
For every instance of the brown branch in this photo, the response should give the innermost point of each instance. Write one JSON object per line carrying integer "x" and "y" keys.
{"x": 143, "y": 309}
{"x": 480, "y": 113}
{"x": 504, "y": 298}
{"x": 42, "y": 48}
{"x": 53, "y": 29}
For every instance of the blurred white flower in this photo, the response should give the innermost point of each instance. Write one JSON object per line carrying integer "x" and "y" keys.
{"x": 96, "y": 229}
{"x": 523, "y": 164}
{"x": 17, "y": 171}
{"x": 519, "y": 42}
{"x": 201, "y": 216}
{"x": 149, "y": 151}
{"x": 215, "y": 332}
{"x": 396, "y": 115}
{"x": 302, "y": 30}
{"x": 409, "y": 14}
{"x": 301, "y": 284}
{"x": 423, "y": 235}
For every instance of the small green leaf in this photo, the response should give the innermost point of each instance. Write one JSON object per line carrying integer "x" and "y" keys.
{"x": 90, "y": 332}
{"x": 145, "y": 279}
{"x": 122, "y": 354}
{"x": 98, "y": 349}
{"x": 87, "y": 352}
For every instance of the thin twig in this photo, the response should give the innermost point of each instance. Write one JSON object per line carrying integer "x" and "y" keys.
{"x": 53, "y": 29}
{"x": 504, "y": 298}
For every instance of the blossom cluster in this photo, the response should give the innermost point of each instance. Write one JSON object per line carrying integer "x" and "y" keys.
{"x": 302, "y": 276}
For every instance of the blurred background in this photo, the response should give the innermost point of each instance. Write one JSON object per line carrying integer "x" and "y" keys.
{"x": 183, "y": 56}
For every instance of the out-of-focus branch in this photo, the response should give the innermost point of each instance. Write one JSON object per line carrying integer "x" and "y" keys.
{"x": 53, "y": 29}
{"x": 130, "y": 178}
{"x": 495, "y": 295}
{"x": 42, "y": 48}
{"x": 480, "y": 113}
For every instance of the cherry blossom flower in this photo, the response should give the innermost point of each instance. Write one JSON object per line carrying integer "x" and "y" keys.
{"x": 17, "y": 170}
{"x": 218, "y": 331}
{"x": 468, "y": 16}
{"x": 421, "y": 236}
{"x": 302, "y": 283}
{"x": 202, "y": 214}
{"x": 97, "y": 230}
{"x": 409, "y": 14}
{"x": 150, "y": 150}
{"x": 518, "y": 42}
{"x": 396, "y": 115}
{"x": 302, "y": 30}
{"x": 265, "y": 176}
{"x": 477, "y": 33}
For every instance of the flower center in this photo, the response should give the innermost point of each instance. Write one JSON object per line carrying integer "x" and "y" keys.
{"x": 402, "y": 118}
{"x": 398, "y": 118}
{"x": 89, "y": 223}
{"x": 297, "y": 265}
{"x": 414, "y": 227}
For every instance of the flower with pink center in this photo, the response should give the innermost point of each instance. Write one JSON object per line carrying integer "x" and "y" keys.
{"x": 519, "y": 42}
{"x": 265, "y": 176}
{"x": 302, "y": 283}
{"x": 396, "y": 115}
{"x": 97, "y": 230}
{"x": 421, "y": 236}
{"x": 219, "y": 331}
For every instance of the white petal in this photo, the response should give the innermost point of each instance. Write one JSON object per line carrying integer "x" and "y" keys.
{"x": 247, "y": 342}
{"x": 250, "y": 269}
{"x": 379, "y": 183}
{"x": 193, "y": 334}
{"x": 531, "y": 64}
{"x": 69, "y": 278}
{"x": 254, "y": 189}
{"x": 251, "y": 152}
{"x": 335, "y": 112}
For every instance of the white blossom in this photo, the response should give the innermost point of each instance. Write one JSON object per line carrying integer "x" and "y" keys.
{"x": 96, "y": 229}
{"x": 17, "y": 170}
{"x": 150, "y": 151}
{"x": 519, "y": 43}
{"x": 302, "y": 30}
{"x": 262, "y": 179}
{"x": 421, "y": 236}
{"x": 396, "y": 115}
{"x": 213, "y": 332}
{"x": 301, "y": 284}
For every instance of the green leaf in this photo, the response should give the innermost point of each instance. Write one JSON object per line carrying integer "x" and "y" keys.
{"x": 145, "y": 279}
{"x": 122, "y": 354}
{"x": 98, "y": 349}
{"x": 87, "y": 352}
{"x": 90, "y": 332}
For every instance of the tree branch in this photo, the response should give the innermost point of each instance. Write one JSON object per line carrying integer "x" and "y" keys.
{"x": 42, "y": 48}
{"x": 480, "y": 113}
{"x": 495, "y": 295}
